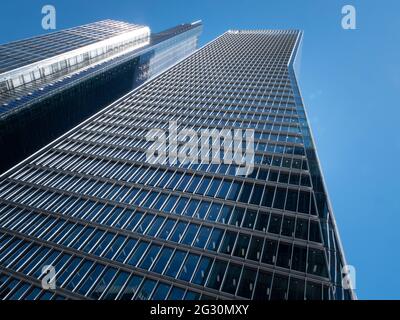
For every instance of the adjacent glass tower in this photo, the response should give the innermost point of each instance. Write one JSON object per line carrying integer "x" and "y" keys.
{"x": 51, "y": 83}
{"x": 115, "y": 226}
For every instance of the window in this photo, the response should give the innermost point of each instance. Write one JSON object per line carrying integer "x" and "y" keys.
{"x": 78, "y": 275}
{"x": 284, "y": 177}
{"x": 257, "y": 194}
{"x": 275, "y": 224}
{"x": 246, "y": 192}
{"x": 126, "y": 250}
{"x": 315, "y": 234}
{"x": 145, "y": 290}
{"x": 114, "y": 247}
{"x": 288, "y": 226}
{"x": 250, "y": 218}
{"x": 299, "y": 258}
{"x": 234, "y": 191}
{"x": 138, "y": 253}
{"x": 193, "y": 184}
{"x": 291, "y": 202}
{"x": 173, "y": 182}
{"x": 295, "y": 178}
{"x": 237, "y": 216}
{"x": 280, "y": 196}
{"x": 184, "y": 182}
{"x": 255, "y": 248}
{"x": 246, "y": 285}
{"x": 215, "y": 239}
{"x": 268, "y": 196}
{"x": 159, "y": 202}
{"x": 302, "y": 229}
{"x": 263, "y": 286}
{"x": 202, "y": 237}
{"x": 157, "y": 222}
{"x": 103, "y": 244}
{"x": 161, "y": 291}
{"x": 211, "y": 192}
{"x": 296, "y": 289}
{"x": 242, "y": 245}
{"x": 217, "y": 274}
{"x": 190, "y": 233}
{"x": 223, "y": 191}
{"x": 189, "y": 267}
{"x": 175, "y": 263}
{"x": 176, "y": 293}
{"x": 191, "y": 208}
{"x": 162, "y": 260}
{"x": 130, "y": 289}
{"x": 269, "y": 254}
{"x": 202, "y": 271}
{"x": 304, "y": 202}
{"x": 178, "y": 231}
{"x": 150, "y": 257}
{"x": 90, "y": 279}
{"x": 214, "y": 212}
{"x": 279, "y": 287}
{"x": 170, "y": 203}
{"x": 203, "y": 186}
{"x": 284, "y": 255}
{"x": 180, "y": 206}
{"x": 144, "y": 223}
{"x": 116, "y": 286}
{"x": 166, "y": 229}
{"x": 262, "y": 221}
{"x": 228, "y": 242}
{"x": 225, "y": 214}
{"x": 203, "y": 209}
{"x": 313, "y": 291}
{"x": 316, "y": 263}
{"x": 103, "y": 283}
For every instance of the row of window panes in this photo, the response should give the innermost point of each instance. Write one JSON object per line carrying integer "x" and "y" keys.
{"x": 228, "y": 242}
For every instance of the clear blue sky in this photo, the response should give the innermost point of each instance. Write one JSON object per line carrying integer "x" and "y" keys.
{"x": 350, "y": 80}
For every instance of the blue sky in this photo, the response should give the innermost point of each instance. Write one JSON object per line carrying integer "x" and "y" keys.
{"x": 350, "y": 80}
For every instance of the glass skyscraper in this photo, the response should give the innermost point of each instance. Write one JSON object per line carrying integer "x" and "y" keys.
{"x": 114, "y": 225}
{"x": 50, "y": 83}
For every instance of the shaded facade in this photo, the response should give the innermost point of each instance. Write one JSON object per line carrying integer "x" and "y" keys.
{"x": 115, "y": 226}
{"x": 64, "y": 77}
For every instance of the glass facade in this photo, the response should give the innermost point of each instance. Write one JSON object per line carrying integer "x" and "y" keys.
{"x": 115, "y": 226}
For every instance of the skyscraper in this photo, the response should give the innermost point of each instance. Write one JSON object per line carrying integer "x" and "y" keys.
{"x": 50, "y": 83}
{"x": 111, "y": 224}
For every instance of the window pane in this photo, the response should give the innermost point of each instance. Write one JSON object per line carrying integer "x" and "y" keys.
{"x": 202, "y": 271}
{"x": 246, "y": 286}
{"x": 175, "y": 264}
{"x": 145, "y": 290}
{"x": 217, "y": 274}
{"x": 263, "y": 286}
{"x": 296, "y": 289}
{"x": 162, "y": 260}
{"x": 279, "y": 287}
{"x": 189, "y": 266}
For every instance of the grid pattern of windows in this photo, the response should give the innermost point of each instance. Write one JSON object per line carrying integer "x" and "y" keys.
{"x": 118, "y": 227}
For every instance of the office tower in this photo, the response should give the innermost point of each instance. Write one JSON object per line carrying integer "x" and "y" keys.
{"x": 50, "y": 83}
{"x": 115, "y": 225}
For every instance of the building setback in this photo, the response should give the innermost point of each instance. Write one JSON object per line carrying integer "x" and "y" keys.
{"x": 115, "y": 226}
{"x": 51, "y": 83}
